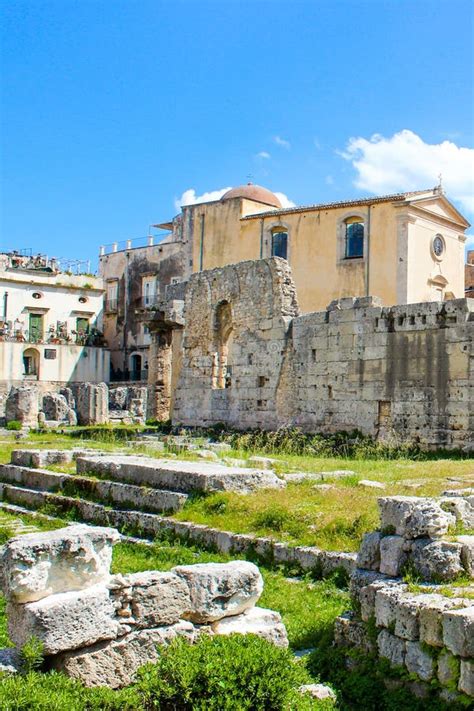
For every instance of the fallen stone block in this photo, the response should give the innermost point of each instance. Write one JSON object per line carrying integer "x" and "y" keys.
{"x": 458, "y": 631}
{"x": 150, "y": 598}
{"x": 65, "y": 621}
{"x": 413, "y": 517}
{"x": 370, "y": 484}
{"x": 115, "y": 663}
{"x": 461, "y": 509}
{"x": 264, "y": 623}
{"x": 10, "y": 662}
{"x": 218, "y": 590}
{"x": 39, "y": 564}
{"x": 38, "y": 458}
{"x": 437, "y": 560}
{"x": 467, "y": 553}
{"x": 318, "y": 691}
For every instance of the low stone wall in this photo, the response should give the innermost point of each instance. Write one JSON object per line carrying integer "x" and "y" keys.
{"x": 100, "y": 628}
{"x": 425, "y": 629}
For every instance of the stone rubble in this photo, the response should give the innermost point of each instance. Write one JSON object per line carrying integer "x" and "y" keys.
{"x": 100, "y": 628}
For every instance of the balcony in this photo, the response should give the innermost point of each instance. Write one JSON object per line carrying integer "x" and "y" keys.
{"x": 111, "y": 306}
{"x": 54, "y": 336}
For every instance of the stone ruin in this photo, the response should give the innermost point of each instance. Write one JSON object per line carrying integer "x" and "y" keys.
{"x": 100, "y": 628}
{"x": 81, "y": 403}
{"x": 427, "y": 629}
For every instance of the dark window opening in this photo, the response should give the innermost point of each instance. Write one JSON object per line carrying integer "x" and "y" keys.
{"x": 280, "y": 244}
{"x": 354, "y": 240}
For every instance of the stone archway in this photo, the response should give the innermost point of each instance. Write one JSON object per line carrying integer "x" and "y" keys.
{"x": 31, "y": 363}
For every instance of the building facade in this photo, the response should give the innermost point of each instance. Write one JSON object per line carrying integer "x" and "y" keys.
{"x": 50, "y": 324}
{"x": 469, "y": 274}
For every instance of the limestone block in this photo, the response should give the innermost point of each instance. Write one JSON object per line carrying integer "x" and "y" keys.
{"x": 218, "y": 590}
{"x": 370, "y": 484}
{"x": 386, "y": 605}
{"x": 115, "y": 663}
{"x": 430, "y": 619}
{"x": 368, "y": 556}
{"x": 367, "y": 599}
{"x": 407, "y": 614}
{"x": 38, "y": 458}
{"x": 38, "y": 564}
{"x": 264, "y": 623}
{"x": 458, "y": 631}
{"x": 466, "y": 677}
{"x": 22, "y": 405}
{"x": 448, "y": 668}
{"x": 360, "y": 578}
{"x": 460, "y": 508}
{"x": 467, "y": 553}
{"x": 418, "y": 661}
{"x": 92, "y": 403}
{"x": 393, "y": 555}
{"x": 437, "y": 560}
{"x": 55, "y": 407}
{"x": 10, "y": 662}
{"x": 65, "y": 620}
{"x": 150, "y": 598}
{"x": 391, "y": 647}
{"x": 349, "y": 632}
{"x": 413, "y": 517}
{"x": 318, "y": 691}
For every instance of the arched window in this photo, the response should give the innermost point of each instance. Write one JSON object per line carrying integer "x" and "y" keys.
{"x": 280, "y": 243}
{"x": 354, "y": 237}
{"x": 31, "y": 362}
{"x": 223, "y": 327}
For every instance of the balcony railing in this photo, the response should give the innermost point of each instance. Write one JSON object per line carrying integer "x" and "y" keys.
{"x": 94, "y": 338}
{"x": 149, "y": 301}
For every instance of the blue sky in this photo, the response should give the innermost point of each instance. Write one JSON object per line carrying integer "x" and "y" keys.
{"x": 112, "y": 111}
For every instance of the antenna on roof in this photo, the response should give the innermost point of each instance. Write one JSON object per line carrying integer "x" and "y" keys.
{"x": 439, "y": 187}
{"x": 249, "y": 178}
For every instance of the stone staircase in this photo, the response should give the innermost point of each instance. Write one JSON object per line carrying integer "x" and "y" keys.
{"x": 123, "y": 482}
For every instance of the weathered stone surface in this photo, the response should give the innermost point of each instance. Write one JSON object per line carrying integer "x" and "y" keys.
{"x": 182, "y": 476}
{"x": 418, "y": 661}
{"x": 386, "y": 600}
{"x": 38, "y": 564}
{"x": 55, "y": 406}
{"x": 22, "y": 405}
{"x": 437, "y": 560}
{"x": 149, "y": 599}
{"x": 413, "y": 517}
{"x": 350, "y": 632}
{"x": 391, "y": 647}
{"x": 38, "y": 458}
{"x": 115, "y": 663}
{"x": 370, "y": 484}
{"x": 448, "y": 668}
{"x": 10, "y": 662}
{"x": 368, "y": 556}
{"x": 360, "y": 578}
{"x": 461, "y": 508}
{"x": 264, "y": 623}
{"x": 393, "y": 555}
{"x": 458, "y": 631}
{"x": 65, "y": 621}
{"x": 92, "y": 403}
{"x": 466, "y": 677}
{"x": 318, "y": 691}
{"x": 467, "y": 553}
{"x": 431, "y": 619}
{"x": 220, "y": 589}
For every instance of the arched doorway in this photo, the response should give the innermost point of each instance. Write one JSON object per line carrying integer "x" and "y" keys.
{"x": 223, "y": 327}
{"x": 31, "y": 363}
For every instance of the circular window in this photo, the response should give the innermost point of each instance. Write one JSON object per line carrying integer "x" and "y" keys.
{"x": 438, "y": 246}
{"x": 37, "y": 295}
{"x": 83, "y": 299}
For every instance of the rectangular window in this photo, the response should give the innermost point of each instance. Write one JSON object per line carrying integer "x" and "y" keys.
{"x": 354, "y": 240}
{"x": 149, "y": 290}
{"x": 111, "y": 304}
{"x": 280, "y": 244}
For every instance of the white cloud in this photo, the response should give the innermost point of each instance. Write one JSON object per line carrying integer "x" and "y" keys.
{"x": 317, "y": 144}
{"x": 405, "y": 162}
{"x": 282, "y": 142}
{"x": 263, "y": 154}
{"x": 329, "y": 180}
{"x": 470, "y": 241}
{"x": 189, "y": 197}
{"x": 285, "y": 201}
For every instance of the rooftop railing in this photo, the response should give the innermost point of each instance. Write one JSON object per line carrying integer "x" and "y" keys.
{"x": 138, "y": 243}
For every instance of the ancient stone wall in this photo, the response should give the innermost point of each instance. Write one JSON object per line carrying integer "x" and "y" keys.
{"x": 403, "y": 373}
{"x": 425, "y": 629}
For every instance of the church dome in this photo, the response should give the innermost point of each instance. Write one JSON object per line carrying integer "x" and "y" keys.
{"x": 253, "y": 192}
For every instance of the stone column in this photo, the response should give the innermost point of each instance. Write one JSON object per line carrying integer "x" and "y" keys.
{"x": 159, "y": 375}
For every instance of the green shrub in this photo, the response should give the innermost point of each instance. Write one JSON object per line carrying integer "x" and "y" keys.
{"x": 55, "y": 692}
{"x": 14, "y": 425}
{"x": 223, "y": 674}
{"x": 31, "y": 655}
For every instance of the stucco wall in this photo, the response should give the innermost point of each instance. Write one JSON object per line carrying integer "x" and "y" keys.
{"x": 68, "y": 364}
{"x": 404, "y": 372}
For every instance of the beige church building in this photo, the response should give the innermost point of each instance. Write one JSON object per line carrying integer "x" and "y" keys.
{"x": 404, "y": 248}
